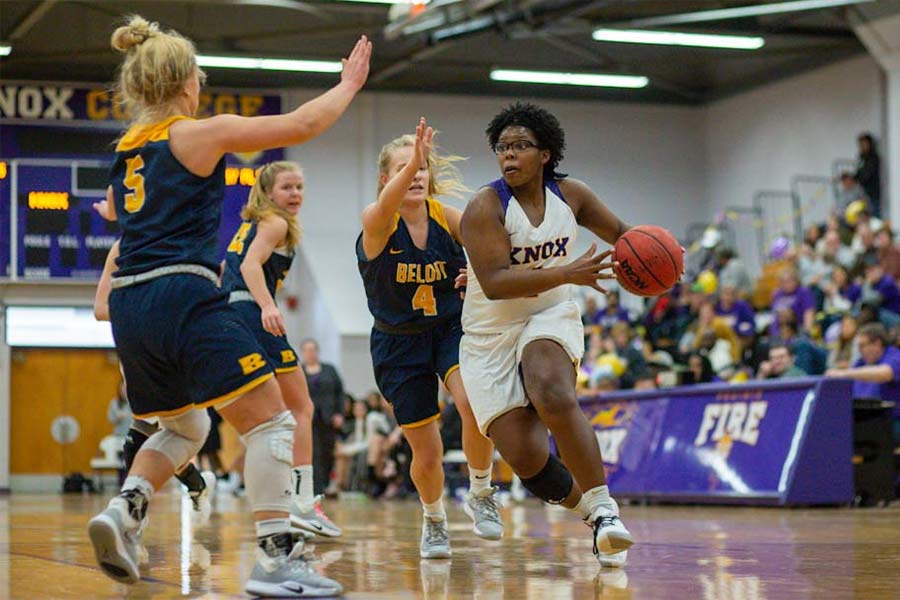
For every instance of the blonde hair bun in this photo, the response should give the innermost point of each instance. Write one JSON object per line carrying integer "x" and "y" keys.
{"x": 133, "y": 34}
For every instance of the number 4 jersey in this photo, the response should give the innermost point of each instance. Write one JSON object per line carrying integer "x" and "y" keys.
{"x": 410, "y": 290}
{"x": 167, "y": 214}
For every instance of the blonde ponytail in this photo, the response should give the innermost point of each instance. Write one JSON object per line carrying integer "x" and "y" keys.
{"x": 133, "y": 34}
{"x": 157, "y": 66}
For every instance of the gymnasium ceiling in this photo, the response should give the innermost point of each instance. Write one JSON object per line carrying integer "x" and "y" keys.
{"x": 69, "y": 41}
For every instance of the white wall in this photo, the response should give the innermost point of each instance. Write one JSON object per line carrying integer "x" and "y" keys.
{"x": 642, "y": 160}
{"x": 760, "y": 139}
{"x": 652, "y": 164}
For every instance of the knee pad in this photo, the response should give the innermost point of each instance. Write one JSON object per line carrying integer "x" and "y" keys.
{"x": 552, "y": 484}
{"x": 267, "y": 467}
{"x": 181, "y": 437}
{"x": 139, "y": 433}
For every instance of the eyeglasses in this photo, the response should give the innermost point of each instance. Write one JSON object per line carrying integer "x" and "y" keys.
{"x": 517, "y": 146}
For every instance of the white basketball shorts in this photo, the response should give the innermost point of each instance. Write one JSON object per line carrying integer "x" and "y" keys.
{"x": 489, "y": 363}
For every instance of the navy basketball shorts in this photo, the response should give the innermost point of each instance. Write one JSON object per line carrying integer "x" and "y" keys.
{"x": 407, "y": 367}
{"x": 183, "y": 346}
{"x": 278, "y": 350}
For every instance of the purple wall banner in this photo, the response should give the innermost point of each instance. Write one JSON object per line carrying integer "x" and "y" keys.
{"x": 786, "y": 442}
{"x": 60, "y": 102}
{"x": 57, "y": 144}
{"x": 54, "y": 233}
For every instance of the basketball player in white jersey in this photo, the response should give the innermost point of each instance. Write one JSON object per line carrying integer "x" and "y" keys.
{"x": 523, "y": 332}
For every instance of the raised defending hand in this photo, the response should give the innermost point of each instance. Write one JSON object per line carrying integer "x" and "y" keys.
{"x": 356, "y": 67}
{"x": 424, "y": 141}
{"x": 589, "y": 268}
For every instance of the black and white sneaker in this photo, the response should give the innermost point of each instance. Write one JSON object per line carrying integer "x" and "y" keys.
{"x": 116, "y": 536}
{"x": 611, "y": 540}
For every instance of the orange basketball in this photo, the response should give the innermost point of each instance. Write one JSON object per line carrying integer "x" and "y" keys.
{"x": 650, "y": 260}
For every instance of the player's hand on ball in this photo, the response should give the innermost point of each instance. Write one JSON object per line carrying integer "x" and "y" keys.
{"x": 272, "y": 321}
{"x": 424, "y": 141}
{"x": 590, "y": 268}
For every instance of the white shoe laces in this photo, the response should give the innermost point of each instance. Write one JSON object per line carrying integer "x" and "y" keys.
{"x": 435, "y": 532}
{"x": 488, "y": 505}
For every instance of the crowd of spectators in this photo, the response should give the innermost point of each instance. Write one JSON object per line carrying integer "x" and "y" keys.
{"x": 371, "y": 455}
{"x": 816, "y": 309}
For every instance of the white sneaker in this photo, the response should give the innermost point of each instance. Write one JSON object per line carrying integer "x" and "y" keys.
{"x": 116, "y": 537}
{"x": 484, "y": 510}
{"x": 202, "y": 501}
{"x": 313, "y": 520}
{"x": 289, "y": 575}
{"x": 435, "y": 539}
{"x": 611, "y": 540}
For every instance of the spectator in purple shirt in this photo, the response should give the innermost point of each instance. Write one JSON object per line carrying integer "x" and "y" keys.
{"x": 882, "y": 288}
{"x": 612, "y": 314}
{"x": 877, "y": 373}
{"x": 736, "y": 312}
{"x": 790, "y": 295}
{"x": 842, "y": 286}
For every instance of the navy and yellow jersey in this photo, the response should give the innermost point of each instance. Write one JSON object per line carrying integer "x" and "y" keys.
{"x": 275, "y": 269}
{"x": 410, "y": 290}
{"x": 167, "y": 214}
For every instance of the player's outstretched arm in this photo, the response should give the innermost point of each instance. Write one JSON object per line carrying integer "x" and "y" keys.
{"x": 270, "y": 232}
{"x": 487, "y": 245}
{"x": 101, "y": 298}
{"x": 199, "y": 145}
{"x": 378, "y": 217}
{"x": 591, "y": 213}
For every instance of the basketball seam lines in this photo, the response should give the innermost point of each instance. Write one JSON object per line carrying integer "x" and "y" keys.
{"x": 672, "y": 258}
{"x": 646, "y": 268}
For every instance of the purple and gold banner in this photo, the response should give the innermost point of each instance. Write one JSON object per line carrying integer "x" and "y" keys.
{"x": 52, "y": 102}
{"x": 784, "y": 442}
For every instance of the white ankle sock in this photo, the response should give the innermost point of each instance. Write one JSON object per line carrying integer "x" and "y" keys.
{"x": 136, "y": 482}
{"x": 479, "y": 479}
{"x": 594, "y": 500}
{"x": 435, "y": 510}
{"x": 302, "y": 476}
{"x": 268, "y": 527}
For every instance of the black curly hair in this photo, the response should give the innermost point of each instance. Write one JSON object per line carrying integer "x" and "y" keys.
{"x": 543, "y": 124}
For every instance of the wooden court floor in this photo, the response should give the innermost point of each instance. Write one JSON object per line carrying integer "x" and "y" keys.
{"x": 682, "y": 552}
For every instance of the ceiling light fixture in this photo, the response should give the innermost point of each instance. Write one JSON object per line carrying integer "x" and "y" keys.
{"x": 673, "y": 38}
{"x": 741, "y": 11}
{"x": 269, "y": 64}
{"x": 388, "y": 1}
{"x": 580, "y": 79}
{"x": 5, "y": 50}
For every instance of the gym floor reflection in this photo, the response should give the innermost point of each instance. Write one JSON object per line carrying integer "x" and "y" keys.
{"x": 681, "y": 552}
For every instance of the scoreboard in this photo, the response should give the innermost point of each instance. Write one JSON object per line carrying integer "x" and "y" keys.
{"x": 54, "y": 164}
{"x": 46, "y": 208}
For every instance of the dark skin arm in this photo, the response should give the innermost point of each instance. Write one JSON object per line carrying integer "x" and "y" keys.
{"x": 591, "y": 213}
{"x": 487, "y": 245}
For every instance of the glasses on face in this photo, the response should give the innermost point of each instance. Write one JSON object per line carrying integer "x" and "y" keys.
{"x": 517, "y": 146}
